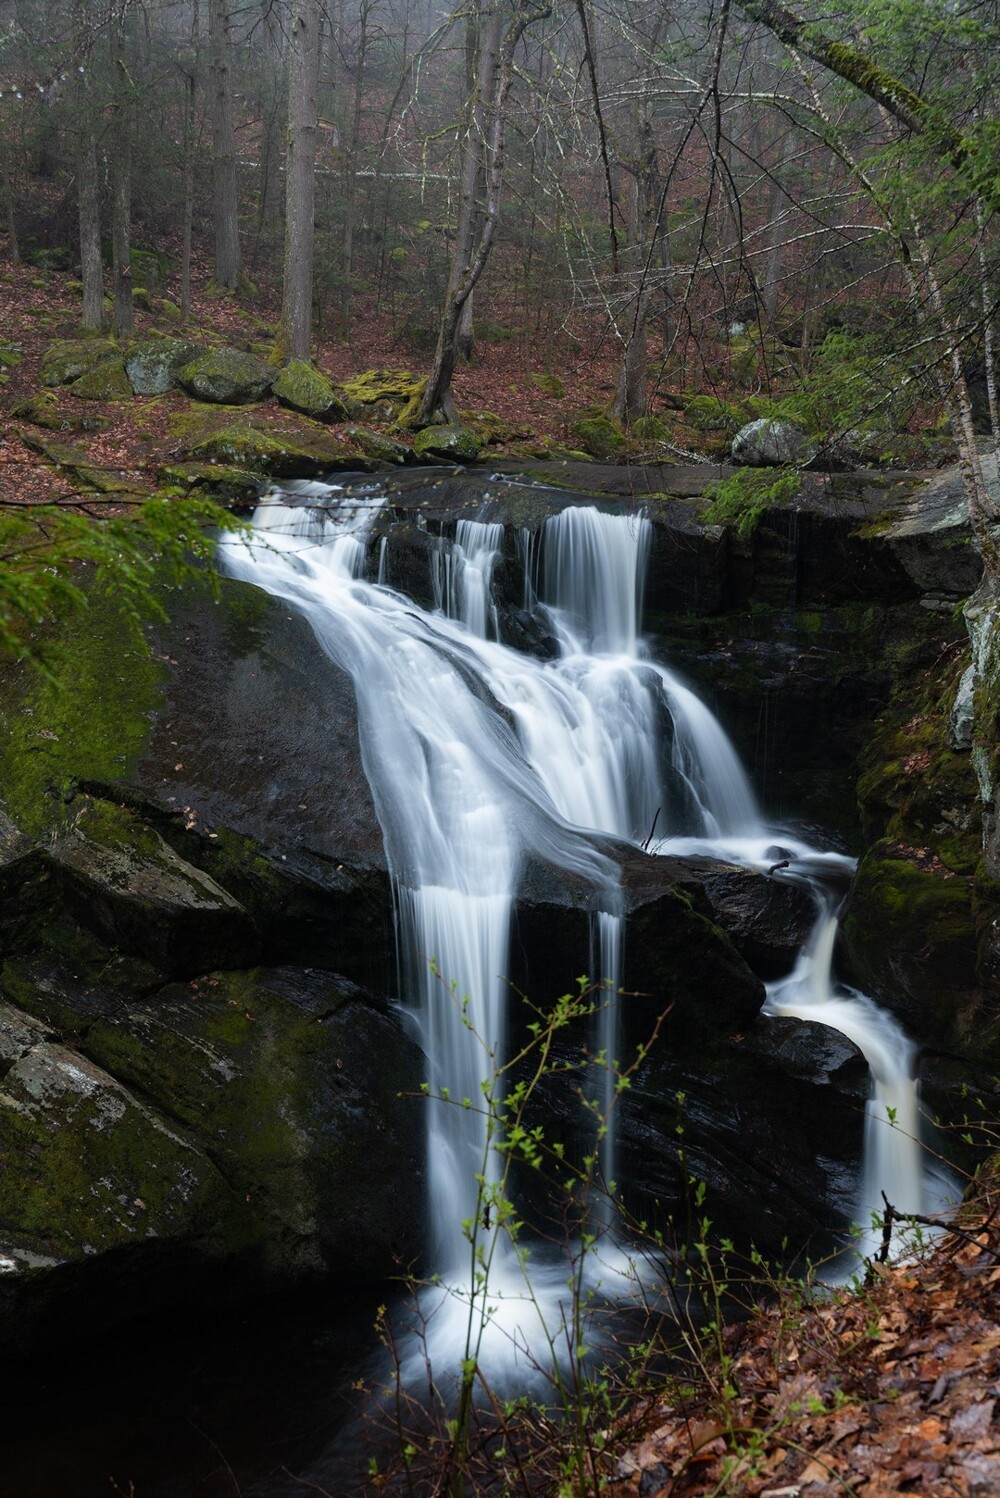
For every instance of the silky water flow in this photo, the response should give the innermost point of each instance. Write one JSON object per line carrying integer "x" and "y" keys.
{"x": 465, "y": 794}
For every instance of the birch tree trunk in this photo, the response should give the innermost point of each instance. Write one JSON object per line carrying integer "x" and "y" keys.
{"x": 300, "y": 179}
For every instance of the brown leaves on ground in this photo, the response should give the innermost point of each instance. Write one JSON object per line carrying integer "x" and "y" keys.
{"x": 889, "y": 1391}
{"x": 38, "y": 307}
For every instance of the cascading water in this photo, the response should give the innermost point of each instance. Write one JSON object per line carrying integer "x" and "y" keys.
{"x": 465, "y": 794}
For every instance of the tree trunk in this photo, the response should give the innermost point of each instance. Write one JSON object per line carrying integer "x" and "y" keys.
{"x": 13, "y": 246}
{"x": 631, "y": 397}
{"x": 350, "y": 175}
{"x": 481, "y": 162}
{"x": 227, "y": 239}
{"x": 190, "y": 119}
{"x": 300, "y": 179}
{"x": 88, "y": 194}
{"x": 121, "y": 177}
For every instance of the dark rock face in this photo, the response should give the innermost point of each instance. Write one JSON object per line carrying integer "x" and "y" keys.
{"x": 231, "y": 1120}
{"x": 193, "y": 932}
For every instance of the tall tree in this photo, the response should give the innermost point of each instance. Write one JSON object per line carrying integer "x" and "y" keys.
{"x": 499, "y": 25}
{"x": 120, "y": 166}
{"x": 228, "y": 263}
{"x": 300, "y": 179}
{"x": 88, "y": 190}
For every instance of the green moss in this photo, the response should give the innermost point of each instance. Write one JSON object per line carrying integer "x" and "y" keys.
{"x": 66, "y": 361}
{"x": 548, "y": 384}
{"x": 452, "y": 443}
{"x": 88, "y": 719}
{"x": 599, "y": 436}
{"x": 304, "y": 389}
{"x": 286, "y": 451}
{"x": 108, "y": 382}
{"x": 396, "y": 387}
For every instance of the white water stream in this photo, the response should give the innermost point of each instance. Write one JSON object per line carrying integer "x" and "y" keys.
{"x": 465, "y": 793}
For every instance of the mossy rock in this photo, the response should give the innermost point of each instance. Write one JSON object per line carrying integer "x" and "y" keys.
{"x": 168, "y": 310}
{"x": 282, "y": 452}
{"x": 10, "y": 355}
{"x": 88, "y": 1168}
{"x": 219, "y": 481}
{"x": 599, "y": 437}
{"x": 709, "y": 413}
{"x": 150, "y": 269}
{"x": 449, "y": 444}
{"x": 261, "y": 1120}
{"x": 68, "y": 360}
{"x": 58, "y": 257}
{"x": 304, "y": 389}
{"x": 392, "y": 389}
{"x": 650, "y": 429}
{"x": 153, "y": 365}
{"x": 227, "y": 377}
{"x": 108, "y": 382}
{"x": 77, "y": 465}
{"x": 548, "y": 384}
{"x": 376, "y": 445}
{"x": 912, "y": 941}
{"x": 43, "y": 410}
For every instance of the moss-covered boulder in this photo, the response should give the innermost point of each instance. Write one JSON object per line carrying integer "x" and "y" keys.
{"x": 303, "y": 388}
{"x": 227, "y": 377}
{"x": 118, "y": 877}
{"x": 75, "y": 462}
{"x": 284, "y": 451}
{"x": 153, "y": 365}
{"x": 108, "y": 382}
{"x": 599, "y": 436}
{"x": 382, "y": 392}
{"x": 446, "y": 444}
{"x": 44, "y": 410}
{"x": 380, "y": 447}
{"x": 222, "y": 482}
{"x": 207, "y": 1138}
{"x": 68, "y": 360}
{"x": 149, "y": 269}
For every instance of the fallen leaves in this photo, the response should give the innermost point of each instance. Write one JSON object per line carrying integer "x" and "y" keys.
{"x": 888, "y": 1391}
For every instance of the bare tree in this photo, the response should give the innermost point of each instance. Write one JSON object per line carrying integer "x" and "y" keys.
{"x": 499, "y": 25}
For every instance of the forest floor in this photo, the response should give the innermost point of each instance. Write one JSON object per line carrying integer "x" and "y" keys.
{"x": 886, "y": 1390}
{"x": 134, "y": 436}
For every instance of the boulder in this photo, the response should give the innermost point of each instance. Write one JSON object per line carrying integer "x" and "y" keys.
{"x": 383, "y": 449}
{"x": 302, "y": 388}
{"x": 68, "y": 360}
{"x": 767, "y": 442}
{"x": 449, "y": 444}
{"x": 108, "y": 382}
{"x": 599, "y": 436}
{"x": 153, "y": 365}
{"x": 259, "y": 1123}
{"x": 382, "y": 392}
{"x": 121, "y": 879}
{"x": 227, "y": 377}
{"x": 281, "y": 449}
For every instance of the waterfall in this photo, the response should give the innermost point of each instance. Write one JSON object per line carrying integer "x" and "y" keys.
{"x": 478, "y": 758}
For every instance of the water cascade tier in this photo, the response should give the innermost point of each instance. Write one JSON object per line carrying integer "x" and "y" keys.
{"x": 482, "y": 759}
